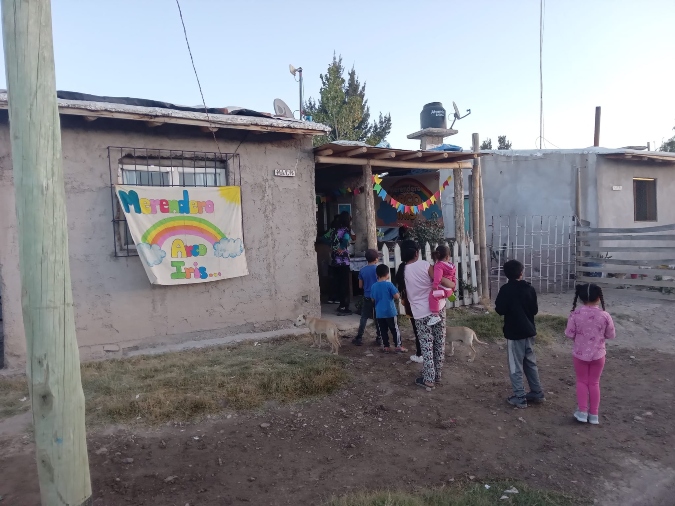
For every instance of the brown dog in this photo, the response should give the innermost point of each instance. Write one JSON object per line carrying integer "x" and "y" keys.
{"x": 463, "y": 334}
{"x": 318, "y": 327}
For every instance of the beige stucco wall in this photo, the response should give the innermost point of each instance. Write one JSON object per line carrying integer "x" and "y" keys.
{"x": 617, "y": 206}
{"x": 114, "y": 301}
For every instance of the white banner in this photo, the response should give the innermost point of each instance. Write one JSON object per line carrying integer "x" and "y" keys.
{"x": 186, "y": 234}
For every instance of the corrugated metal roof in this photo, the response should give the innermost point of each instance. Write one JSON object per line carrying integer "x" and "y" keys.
{"x": 184, "y": 116}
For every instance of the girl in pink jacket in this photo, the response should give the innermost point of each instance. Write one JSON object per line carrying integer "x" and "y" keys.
{"x": 589, "y": 327}
{"x": 442, "y": 269}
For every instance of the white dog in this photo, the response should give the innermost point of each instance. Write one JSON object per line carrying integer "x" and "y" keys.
{"x": 463, "y": 334}
{"x": 318, "y": 327}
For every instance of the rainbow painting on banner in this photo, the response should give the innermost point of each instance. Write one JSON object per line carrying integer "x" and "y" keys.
{"x": 186, "y": 235}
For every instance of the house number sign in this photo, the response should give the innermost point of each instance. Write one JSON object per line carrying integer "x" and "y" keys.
{"x": 284, "y": 172}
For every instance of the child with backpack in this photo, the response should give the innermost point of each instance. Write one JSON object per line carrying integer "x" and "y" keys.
{"x": 589, "y": 327}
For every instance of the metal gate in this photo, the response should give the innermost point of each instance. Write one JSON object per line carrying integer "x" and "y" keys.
{"x": 545, "y": 245}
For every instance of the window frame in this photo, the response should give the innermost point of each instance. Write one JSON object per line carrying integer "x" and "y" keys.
{"x": 636, "y": 181}
{"x": 195, "y": 163}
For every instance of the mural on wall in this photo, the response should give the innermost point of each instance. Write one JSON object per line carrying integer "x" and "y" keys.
{"x": 186, "y": 235}
{"x": 409, "y": 192}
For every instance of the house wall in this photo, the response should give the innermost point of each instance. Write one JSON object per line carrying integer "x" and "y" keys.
{"x": 531, "y": 182}
{"x": 617, "y": 206}
{"x": 114, "y": 301}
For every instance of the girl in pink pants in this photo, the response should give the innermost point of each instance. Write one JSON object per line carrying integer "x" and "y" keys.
{"x": 589, "y": 327}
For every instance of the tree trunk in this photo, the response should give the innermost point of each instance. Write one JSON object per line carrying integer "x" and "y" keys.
{"x": 53, "y": 363}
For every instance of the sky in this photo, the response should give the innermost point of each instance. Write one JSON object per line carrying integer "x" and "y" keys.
{"x": 482, "y": 54}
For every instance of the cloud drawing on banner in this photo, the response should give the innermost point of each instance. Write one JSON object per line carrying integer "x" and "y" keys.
{"x": 228, "y": 248}
{"x": 151, "y": 254}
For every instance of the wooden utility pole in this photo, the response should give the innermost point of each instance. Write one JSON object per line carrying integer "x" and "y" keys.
{"x": 485, "y": 268}
{"x": 475, "y": 210}
{"x": 53, "y": 362}
{"x": 596, "y": 133}
{"x": 460, "y": 233}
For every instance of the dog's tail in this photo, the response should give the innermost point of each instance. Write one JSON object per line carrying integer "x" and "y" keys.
{"x": 475, "y": 338}
{"x": 336, "y": 333}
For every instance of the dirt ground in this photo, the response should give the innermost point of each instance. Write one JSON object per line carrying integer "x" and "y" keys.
{"x": 384, "y": 432}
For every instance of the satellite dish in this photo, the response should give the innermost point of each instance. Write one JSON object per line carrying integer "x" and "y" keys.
{"x": 281, "y": 109}
{"x": 457, "y": 115}
{"x": 292, "y": 69}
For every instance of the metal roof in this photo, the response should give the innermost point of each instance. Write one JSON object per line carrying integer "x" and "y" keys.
{"x": 154, "y": 116}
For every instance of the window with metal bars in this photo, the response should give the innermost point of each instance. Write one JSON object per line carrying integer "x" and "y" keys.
{"x": 164, "y": 167}
{"x": 644, "y": 196}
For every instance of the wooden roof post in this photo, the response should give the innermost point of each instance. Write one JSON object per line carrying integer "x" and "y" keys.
{"x": 53, "y": 362}
{"x": 371, "y": 227}
{"x": 458, "y": 184}
{"x": 475, "y": 208}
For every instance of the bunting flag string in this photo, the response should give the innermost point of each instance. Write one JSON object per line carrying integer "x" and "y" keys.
{"x": 381, "y": 192}
{"x": 337, "y": 193}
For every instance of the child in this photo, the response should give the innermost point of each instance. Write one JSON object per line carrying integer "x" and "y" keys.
{"x": 442, "y": 269}
{"x": 384, "y": 293}
{"x": 517, "y": 303}
{"x": 589, "y": 327}
{"x": 367, "y": 278}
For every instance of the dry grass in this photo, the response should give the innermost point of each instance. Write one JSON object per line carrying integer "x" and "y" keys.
{"x": 489, "y": 326}
{"x": 469, "y": 495}
{"x": 187, "y": 385}
{"x": 12, "y": 390}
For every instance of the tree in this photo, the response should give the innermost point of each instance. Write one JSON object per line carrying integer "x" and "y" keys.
{"x": 503, "y": 143}
{"x": 486, "y": 144}
{"x": 342, "y": 105}
{"x": 668, "y": 145}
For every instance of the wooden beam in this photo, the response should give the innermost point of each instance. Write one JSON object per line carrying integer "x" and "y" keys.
{"x": 384, "y": 156}
{"x": 441, "y": 156}
{"x": 392, "y": 164}
{"x": 416, "y": 154}
{"x": 352, "y": 152}
{"x": 371, "y": 227}
{"x": 324, "y": 152}
{"x": 640, "y": 230}
{"x": 475, "y": 209}
{"x": 153, "y": 124}
{"x": 627, "y": 282}
{"x": 53, "y": 361}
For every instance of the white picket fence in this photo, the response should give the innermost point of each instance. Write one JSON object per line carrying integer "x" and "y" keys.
{"x": 464, "y": 256}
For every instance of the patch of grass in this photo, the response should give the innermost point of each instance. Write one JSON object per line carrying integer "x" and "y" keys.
{"x": 468, "y": 495}
{"x": 12, "y": 390}
{"x": 187, "y": 385}
{"x": 489, "y": 326}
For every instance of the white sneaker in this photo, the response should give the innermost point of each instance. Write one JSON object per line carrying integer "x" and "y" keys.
{"x": 593, "y": 419}
{"x": 581, "y": 416}
{"x": 415, "y": 358}
{"x": 434, "y": 320}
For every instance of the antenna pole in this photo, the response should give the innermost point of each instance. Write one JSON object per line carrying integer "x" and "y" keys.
{"x": 300, "y": 81}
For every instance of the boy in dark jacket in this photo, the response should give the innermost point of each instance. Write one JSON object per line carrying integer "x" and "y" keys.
{"x": 517, "y": 303}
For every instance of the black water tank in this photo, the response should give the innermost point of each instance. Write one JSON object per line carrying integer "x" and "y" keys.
{"x": 433, "y": 116}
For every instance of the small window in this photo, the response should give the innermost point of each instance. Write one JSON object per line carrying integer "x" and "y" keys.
{"x": 154, "y": 167}
{"x": 644, "y": 195}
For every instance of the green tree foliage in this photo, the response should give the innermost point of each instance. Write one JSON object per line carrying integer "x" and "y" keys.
{"x": 668, "y": 145}
{"x": 342, "y": 105}
{"x": 503, "y": 142}
{"x": 486, "y": 144}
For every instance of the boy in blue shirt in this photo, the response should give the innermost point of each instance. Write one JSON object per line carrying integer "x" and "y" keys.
{"x": 384, "y": 293}
{"x": 367, "y": 278}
